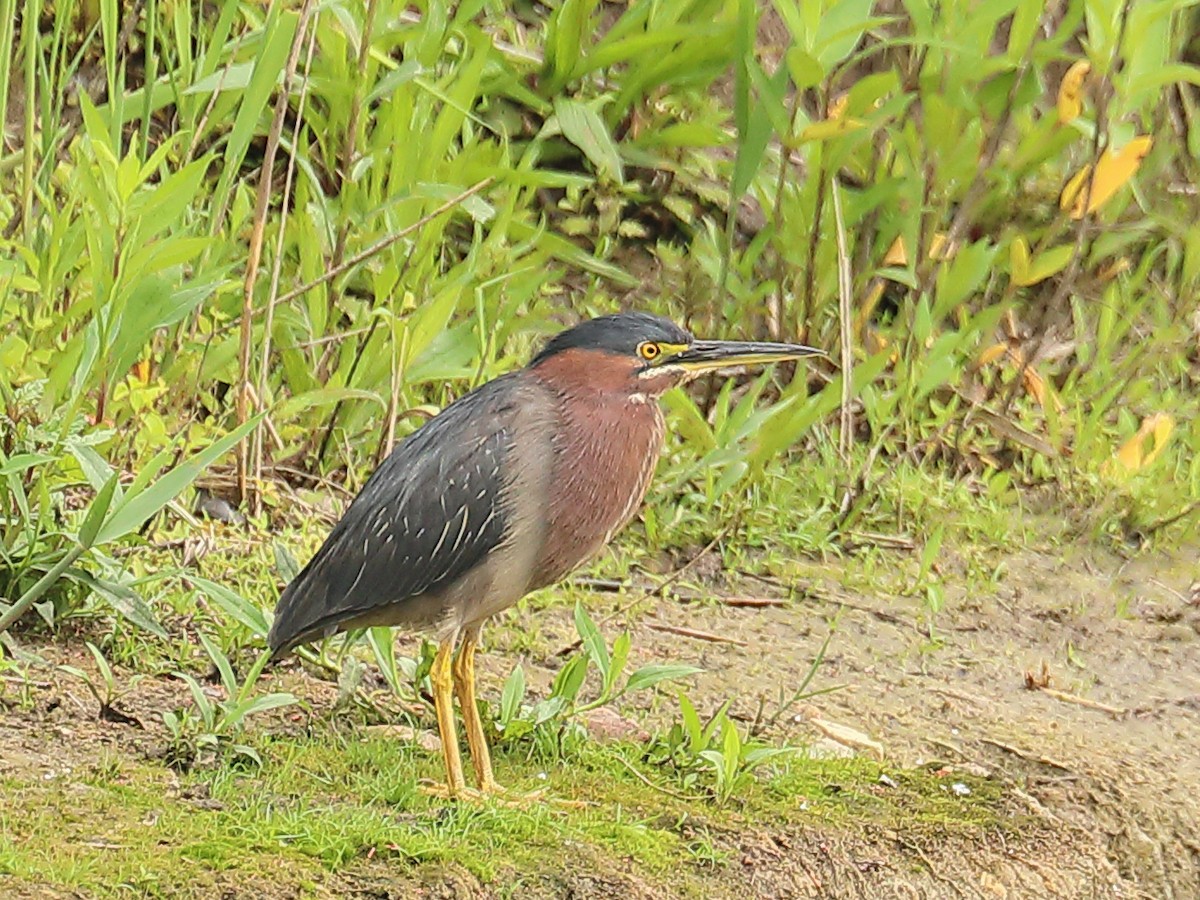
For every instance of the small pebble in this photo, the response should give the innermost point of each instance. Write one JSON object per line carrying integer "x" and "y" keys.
{"x": 887, "y": 781}
{"x": 960, "y": 789}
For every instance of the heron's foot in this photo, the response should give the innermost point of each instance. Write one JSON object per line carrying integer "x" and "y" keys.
{"x": 508, "y": 797}
{"x": 491, "y": 792}
{"x": 445, "y": 792}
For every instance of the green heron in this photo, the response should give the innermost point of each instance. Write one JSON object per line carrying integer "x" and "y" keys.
{"x": 506, "y": 491}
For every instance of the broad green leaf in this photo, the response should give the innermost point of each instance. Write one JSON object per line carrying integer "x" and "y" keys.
{"x": 137, "y": 508}
{"x": 231, "y": 78}
{"x": 648, "y": 676}
{"x": 382, "y": 642}
{"x": 97, "y": 511}
{"x": 570, "y": 678}
{"x": 237, "y": 606}
{"x": 1018, "y": 261}
{"x": 21, "y": 462}
{"x": 593, "y": 641}
{"x": 269, "y": 66}
{"x": 233, "y": 719}
{"x": 224, "y": 669}
{"x": 584, "y": 128}
{"x": 512, "y": 695}
{"x": 325, "y": 396}
{"x": 129, "y": 603}
{"x": 620, "y": 655}
{"x": 1049, "y": 263}
{"x": 842, "y": 25}
{"x": 805, "y": 69}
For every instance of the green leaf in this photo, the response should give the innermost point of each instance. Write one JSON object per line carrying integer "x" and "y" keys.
{"x": 233, "y": 718}
{"x": 288, "y": 568}
{"x": 584, "y": 128}
{"x": 512, "y": 695}
{"x": 97, "y": 511}
{"x": 269, "y": 64}
{"x": 842, "y": 24}
{"x": 20, "y": 462}
{"x": 963, "y": 276}
{"x": 129, "y": 603}
{"x": 383, "y": 645}
{"x": 237, "y": 606}
{"x": 95, "y": 467}
{"x": 324, "y": 396}
{"x": 648, "y": 676}
{"x": 228, "y": 679}
{"x": 137, "y": 508}
{"x": 593, "y": 641}
{"x": 805, "y": 70}
{"x": 1049, "y": 263}
{"x": 570, "y": 678}
{"x": 620, "y": 655}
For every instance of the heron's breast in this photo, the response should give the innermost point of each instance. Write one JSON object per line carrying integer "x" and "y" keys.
{"x": 603, "y": 460}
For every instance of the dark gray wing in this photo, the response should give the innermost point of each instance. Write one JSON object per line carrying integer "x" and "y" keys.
{"x": 429, "y": 514}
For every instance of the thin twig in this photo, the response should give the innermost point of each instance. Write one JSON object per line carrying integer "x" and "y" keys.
{"x": 846, "y": 323}
{"x": 1028, "y": 757}
{"x": 753, "y": 602}
{"x": 696, "y": 634}
{"x": 261, "y": 204}
{"x": 1115, "y": 711}
{"x": 650, "y": 784}
{"x": 277, "y": 267}
{"x": 385, "y": 242}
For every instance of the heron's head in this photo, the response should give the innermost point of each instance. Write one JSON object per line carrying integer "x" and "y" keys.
{"x": 648, "y": 355}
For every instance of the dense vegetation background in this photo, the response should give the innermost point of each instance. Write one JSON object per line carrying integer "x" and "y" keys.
{"x": 298, "y": 228}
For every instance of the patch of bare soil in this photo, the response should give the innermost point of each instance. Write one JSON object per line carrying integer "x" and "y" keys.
{"x": 1076, "y": 682}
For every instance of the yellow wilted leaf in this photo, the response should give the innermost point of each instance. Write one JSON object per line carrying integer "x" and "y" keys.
{"x": 897, "y": 254}
{"x": 1074, "y": 187}
{"x": 1070, "y": 91}
{"x": 1135, "y": 453}
{"x": 837, "y": 106}
{"x": 1112, "y": 172}
{"x": 1018, "y": 261}
{"x": 939, "y": 248}
{"x": 863, "y": 316}
{"x": 1036, "y": 388}
{"x": 141, "y": 370}
{"x": 874, "y": 342}
{"x": 1034, "y": 384}
{"x": 1114, "y": 268}
{"x": 991, "y": 354}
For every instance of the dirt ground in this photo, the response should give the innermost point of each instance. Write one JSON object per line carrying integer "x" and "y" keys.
{"x": 1076, "y": 684}
{"x": 1076, "y": 681}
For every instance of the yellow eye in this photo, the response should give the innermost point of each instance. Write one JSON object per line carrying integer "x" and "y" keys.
{"x": 648, "y": 350}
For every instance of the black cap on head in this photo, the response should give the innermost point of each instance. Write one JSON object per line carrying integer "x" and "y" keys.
{"x": 620, "y": 333}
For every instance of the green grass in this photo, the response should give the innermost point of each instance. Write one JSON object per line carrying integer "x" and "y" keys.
{"x": 327, "y": 803}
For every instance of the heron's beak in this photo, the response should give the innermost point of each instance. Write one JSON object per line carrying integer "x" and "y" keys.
{"x": 707, "y": 356}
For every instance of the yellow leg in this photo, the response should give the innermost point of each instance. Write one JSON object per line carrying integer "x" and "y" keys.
{"x": 443, "y": 700}
{"x": 464, "y": 687}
